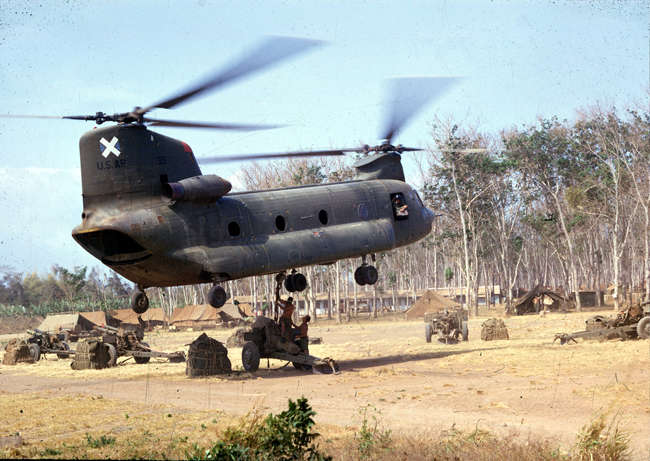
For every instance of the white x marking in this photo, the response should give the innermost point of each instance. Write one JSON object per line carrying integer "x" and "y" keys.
{"x": 110, "y": 147}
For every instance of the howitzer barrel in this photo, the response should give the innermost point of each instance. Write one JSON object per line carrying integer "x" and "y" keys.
{"x": 105, "y": 329}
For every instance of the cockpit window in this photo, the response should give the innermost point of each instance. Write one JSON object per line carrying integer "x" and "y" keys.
{"x": 400, "y": 207}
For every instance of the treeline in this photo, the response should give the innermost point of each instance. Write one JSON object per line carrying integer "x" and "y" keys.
{"x": 559, "y": 203}
{"x": 61, "y": 290}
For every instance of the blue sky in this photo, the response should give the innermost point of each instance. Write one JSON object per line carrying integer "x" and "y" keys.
{"x": 520, "y": 59}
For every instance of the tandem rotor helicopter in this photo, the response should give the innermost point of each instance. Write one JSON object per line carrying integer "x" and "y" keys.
{"x": 150, "y": 215}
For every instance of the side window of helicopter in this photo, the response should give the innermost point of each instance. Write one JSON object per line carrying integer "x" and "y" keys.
{"x": 281, "y": 223}
{"x": 233, "y": 229}
{"x": 400, "y": 208}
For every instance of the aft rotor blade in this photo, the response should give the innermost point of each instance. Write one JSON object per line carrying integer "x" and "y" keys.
{"x": 214, "y": 126}
{"x": 240, "y": 157}
{"x": 272, "y": 51}
{"x": 469, "y": 151}
{"x": 408, "y": 95}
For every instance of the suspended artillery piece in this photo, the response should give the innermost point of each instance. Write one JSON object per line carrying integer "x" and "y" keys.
{"x": 632, "y": 323}
{"x": 42, "y": 342}
{"x": 266, "y": 342}
{"x": 447, "y": 326}
{"x": 125, "y": 343}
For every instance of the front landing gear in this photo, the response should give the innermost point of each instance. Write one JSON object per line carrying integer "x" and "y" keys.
{"x": 217, "y": 296}
{"x": 366, "y": 274}
{"x": 139, "y": 301}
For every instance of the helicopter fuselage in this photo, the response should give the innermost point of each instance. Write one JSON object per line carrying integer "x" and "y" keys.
{"x": 130, "y": 227}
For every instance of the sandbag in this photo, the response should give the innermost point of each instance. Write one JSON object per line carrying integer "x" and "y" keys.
{"x": 207, "y": 357}
{"x": 237, "y": 338}
{"x": 17, "y": 351}
{"x": 91, "y": 354}
{"x": 494, "y": 329}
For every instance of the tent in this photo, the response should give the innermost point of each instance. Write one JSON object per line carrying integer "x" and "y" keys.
{"x": 195, "y": 316}
{"x": 431, "y": 301}
{"x": 86, "y": 319}
{"x": 550, "y": 299}
{"x": 129, "y": 319}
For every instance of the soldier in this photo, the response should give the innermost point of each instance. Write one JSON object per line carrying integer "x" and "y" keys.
{"x": 285, "y": 319}
{"x": 303, "y": 337}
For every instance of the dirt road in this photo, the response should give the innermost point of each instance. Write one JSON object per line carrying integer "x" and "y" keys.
{"x": 526, "y": 385}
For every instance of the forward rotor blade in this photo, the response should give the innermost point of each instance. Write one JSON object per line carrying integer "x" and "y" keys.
{"x": 240, "y": 157}
{"x": 408, "y": 96}
{"x": 272, "y": 51}
{"x": 214, "y": 126}
{"x": 73, "y": 117}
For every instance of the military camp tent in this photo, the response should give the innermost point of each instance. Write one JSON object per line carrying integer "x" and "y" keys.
{"x": 431, "y": 301}
{"x": 195, "y": 316}
{"x": 154, "y": 317}
{"x": 86, "y": 319}
{"x": 546, "y": 298}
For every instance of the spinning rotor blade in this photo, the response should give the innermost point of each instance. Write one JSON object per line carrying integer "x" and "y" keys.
{"x": 408, "y": 95}
{"x": 235, "y": 158}
{"x": 214, "y": 126}
{"x": 274, "y": 50}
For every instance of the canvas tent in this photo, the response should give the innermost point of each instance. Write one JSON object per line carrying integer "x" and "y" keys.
{"x": 129, "y": 320}
{"x": 195, "y": 316}
{"x": 206, "y": 316}
{"x": 86, "y": 319}
{"x": 549, "y": 299}
{"x": 431, "y": 301}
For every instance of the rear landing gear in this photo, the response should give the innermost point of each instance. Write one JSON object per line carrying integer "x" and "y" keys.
{"x": 139, "y": 301}
{"x": 366, "y": 274}
{"x": 217, "y": 296}
{"x": 294, "y": 282}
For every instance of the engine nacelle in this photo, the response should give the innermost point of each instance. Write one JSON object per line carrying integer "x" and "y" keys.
{"x": 203, "y": 190}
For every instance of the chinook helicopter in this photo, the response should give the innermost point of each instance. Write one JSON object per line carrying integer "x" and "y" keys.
{"x": 150, "y": 214}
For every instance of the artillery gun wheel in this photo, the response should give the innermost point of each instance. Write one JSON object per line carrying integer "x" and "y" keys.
{"x": 358, "y": 276}
{"x": 112, "y": 355}
{"x": 139, "y": 302}
{"x": 66, "y": 347}
{"x": 142, "y": 360}
{"x": 64, "y": 336}
{"x": 427, "y": 332}
{"x": 217, "y": 296}
{"x": 643, "y": 328}
{"x": 465, "y": 332}
{"x": 250, "y": 357}
{"x": 35, "y": 352}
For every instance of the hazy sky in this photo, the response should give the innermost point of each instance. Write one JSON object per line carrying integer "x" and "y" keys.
{"x": 521, "y": 60}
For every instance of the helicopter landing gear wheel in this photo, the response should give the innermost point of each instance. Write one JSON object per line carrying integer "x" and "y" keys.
{"x": 295, "y": 282}
{"x": 370, "y": 275}
{"x": 358, "y": 276}
{"x": 217, "y": 296}
{"x": 139, "y": 302}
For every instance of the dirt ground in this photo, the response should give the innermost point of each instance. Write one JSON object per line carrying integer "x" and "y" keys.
{"x": 527, "y": 385}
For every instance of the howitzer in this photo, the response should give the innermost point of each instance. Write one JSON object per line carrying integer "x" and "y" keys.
{"x": 128, "y": 343}
{"x": 42, "y": 342}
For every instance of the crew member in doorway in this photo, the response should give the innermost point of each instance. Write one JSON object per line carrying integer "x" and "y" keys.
{"x": 401, "y": 209}
{"x": 303, "y": 337}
